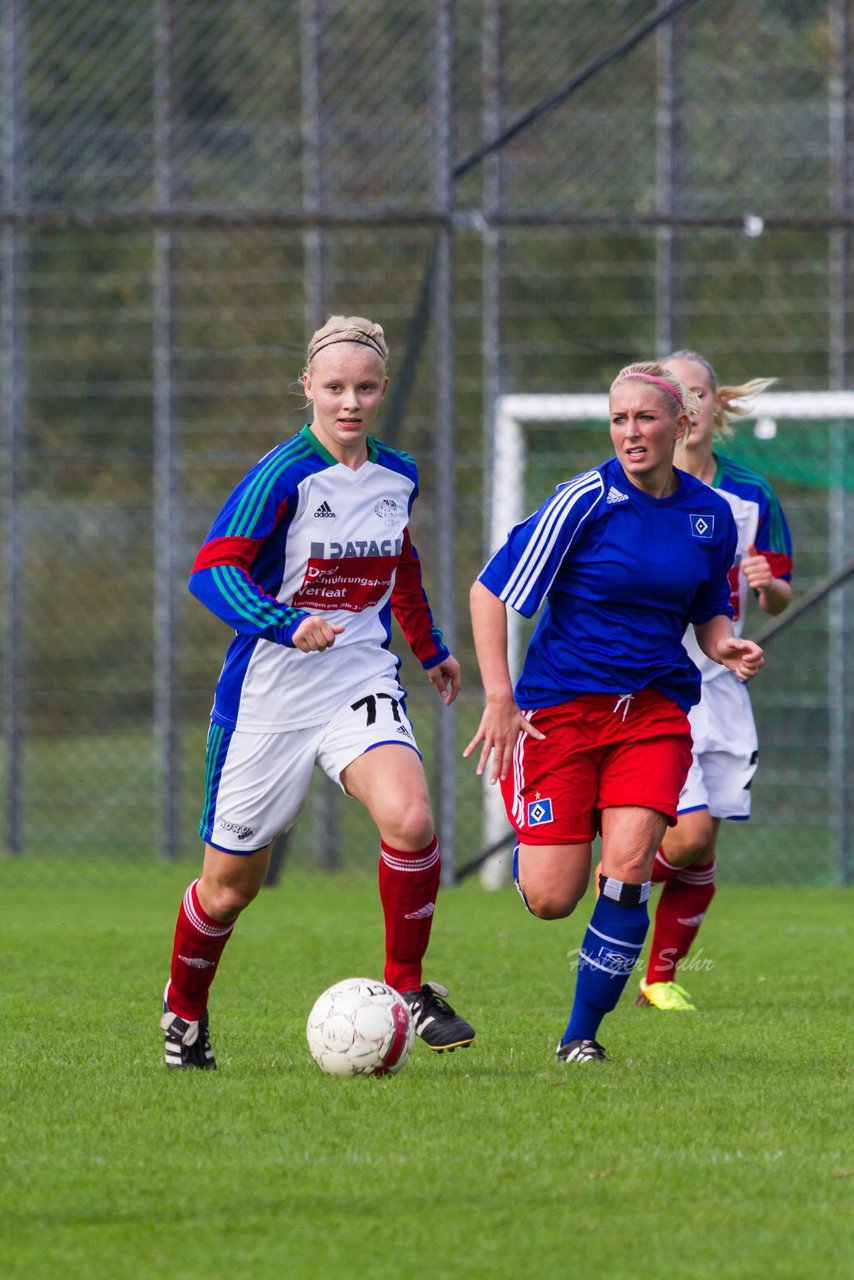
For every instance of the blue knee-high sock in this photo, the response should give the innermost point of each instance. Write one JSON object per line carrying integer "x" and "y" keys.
{"x": 610, "y": 950}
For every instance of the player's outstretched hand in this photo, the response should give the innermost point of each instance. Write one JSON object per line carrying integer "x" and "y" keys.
{"x": 500, "y": 726}
{"x": 446, "y": 679}
{"x": 744, "y": 657}
{"x": 315, "y": 635}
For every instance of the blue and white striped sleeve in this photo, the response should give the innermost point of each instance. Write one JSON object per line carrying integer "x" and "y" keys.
{"x": 522, "y": 570}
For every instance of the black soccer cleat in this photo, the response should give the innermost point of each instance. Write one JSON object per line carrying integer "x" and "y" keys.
{"x": 581, "y": 1051}
{"x": 188, "y": 1044}
{"x": 438, "y": 1025}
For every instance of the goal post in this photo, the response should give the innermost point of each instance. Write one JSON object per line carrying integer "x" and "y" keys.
{"x": 517, "y": 415}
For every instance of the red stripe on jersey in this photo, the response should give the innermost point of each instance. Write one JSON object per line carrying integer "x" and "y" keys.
{"x": 780, "y": 563}
{"x": 734, "y": 598}
{"x": 236, "y": 551}
{"x": 353, "y": 583}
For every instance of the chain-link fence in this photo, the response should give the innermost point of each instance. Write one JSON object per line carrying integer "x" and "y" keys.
{"x": 526, "y": 194}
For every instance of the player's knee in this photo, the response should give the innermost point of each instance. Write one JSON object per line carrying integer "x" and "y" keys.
{"x": 410, "y": 826}
{"x": 692, "y": 849}
{"x": 548, "y": 904}
{"x": 690, "y": 842}
{"x": 225, "y": 901}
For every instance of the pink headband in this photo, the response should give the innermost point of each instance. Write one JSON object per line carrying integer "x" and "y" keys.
{"x": 661, "y": 382}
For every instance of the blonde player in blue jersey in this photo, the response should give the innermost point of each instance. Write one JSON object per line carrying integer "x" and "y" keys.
{"x": 725, "y": 751}
{"x": 307, "y": 562}
{"x": 594, "y": 737}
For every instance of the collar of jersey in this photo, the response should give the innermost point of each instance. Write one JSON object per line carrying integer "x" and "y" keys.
{"x": 309, "y": 436}
{"x": 672, "y": 498}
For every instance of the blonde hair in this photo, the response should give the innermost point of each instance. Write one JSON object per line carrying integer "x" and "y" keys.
{"x": 729, "y": 409}
{"x": 348, "y": 329}
{"x": 656, "y": 373}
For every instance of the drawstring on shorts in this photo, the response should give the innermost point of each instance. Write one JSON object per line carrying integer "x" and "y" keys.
{"x": 624, "y": 701}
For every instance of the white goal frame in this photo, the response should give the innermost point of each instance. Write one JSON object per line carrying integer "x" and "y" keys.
{"x": 514, "y": 414}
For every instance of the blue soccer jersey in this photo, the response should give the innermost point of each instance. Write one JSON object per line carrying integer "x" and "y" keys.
{"x": 620, "y": 575}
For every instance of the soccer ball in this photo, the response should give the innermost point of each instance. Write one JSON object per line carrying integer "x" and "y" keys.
{"x": 360, "y": 1027}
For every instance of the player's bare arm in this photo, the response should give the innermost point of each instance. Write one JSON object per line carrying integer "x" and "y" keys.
{"x": 718, "y": 641}
{"x": 315, "y": 635}
{"x": 502, "y": 721}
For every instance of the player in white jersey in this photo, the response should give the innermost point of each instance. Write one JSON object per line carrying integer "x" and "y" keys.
{"x": 725, "y": 751}
{"x": 308, "y": 561}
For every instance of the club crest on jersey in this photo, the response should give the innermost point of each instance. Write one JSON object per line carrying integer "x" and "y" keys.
{"x": 539, "y": 812}
{"x": 387, "y": 510}
{"x": 702, "y": 526}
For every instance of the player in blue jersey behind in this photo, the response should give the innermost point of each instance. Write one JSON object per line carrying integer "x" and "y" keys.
{"x": 594, "y": 738}
{"x": 726, "y": 748}
{"x": 307, "y": 562}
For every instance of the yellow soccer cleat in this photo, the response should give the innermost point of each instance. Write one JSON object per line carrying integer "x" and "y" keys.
{"x": 667, "y": 996}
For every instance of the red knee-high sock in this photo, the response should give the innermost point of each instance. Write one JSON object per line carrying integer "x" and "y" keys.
{"x": 199, "y": 943}
{"x": 662, "y": 869}
{"x": 680, "y": 913}
{"x": 409, "y": 883}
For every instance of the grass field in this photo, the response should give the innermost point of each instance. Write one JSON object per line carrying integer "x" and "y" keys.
{"x": 714, "y": 1145}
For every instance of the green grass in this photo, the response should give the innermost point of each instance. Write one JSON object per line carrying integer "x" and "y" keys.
{"x": 714, "y": 1145}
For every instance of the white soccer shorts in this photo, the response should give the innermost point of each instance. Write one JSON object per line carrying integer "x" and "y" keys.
{"x": 257, "y": 784}
{"x": 726, "y": 750}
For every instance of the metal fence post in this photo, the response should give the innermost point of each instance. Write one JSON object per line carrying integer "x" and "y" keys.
{"x": 314, "y": 288}
{"x": 495, "y": 872}
{"x": 13, "y": 330}
{"x": 841, "y": 748}
{"x": 668, "y": 277}
{"x": 444, "y": 471}
{"x": 328, "y": 800}
{"x": 165, "y": 514}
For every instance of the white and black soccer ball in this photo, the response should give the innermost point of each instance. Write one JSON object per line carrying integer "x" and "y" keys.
{"x": 360, "y": 1027}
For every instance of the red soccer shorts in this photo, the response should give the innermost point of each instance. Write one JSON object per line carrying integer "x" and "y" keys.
{"x": 600, "y": 750}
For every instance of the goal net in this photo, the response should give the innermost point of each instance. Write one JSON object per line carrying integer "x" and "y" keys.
{"x": 803, "y": 443}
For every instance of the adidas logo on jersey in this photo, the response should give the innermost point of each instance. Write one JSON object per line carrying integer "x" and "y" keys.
{"x": 614, "y": 495}
{"x": 324, "y": 512}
